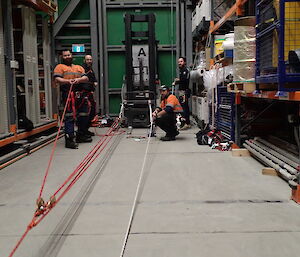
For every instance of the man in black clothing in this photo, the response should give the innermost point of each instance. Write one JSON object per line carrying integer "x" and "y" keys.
{"x": 90, "y": 87}
{"x": 184, "y": 91}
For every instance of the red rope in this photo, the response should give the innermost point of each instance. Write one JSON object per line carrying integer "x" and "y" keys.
{"x": 19, "y": 242}
{"x": 76, "y": 174}
{"x": 55, "y": 142}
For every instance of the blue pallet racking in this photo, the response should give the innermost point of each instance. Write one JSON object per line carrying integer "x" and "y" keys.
{"x": 278, "y": 33}
{"x": 225, "y": 116}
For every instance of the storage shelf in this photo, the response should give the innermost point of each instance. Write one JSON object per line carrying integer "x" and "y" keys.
{"x": 235, "y": 8}
{"x": 289, "y": 96}
{"x": 274, "y": 42}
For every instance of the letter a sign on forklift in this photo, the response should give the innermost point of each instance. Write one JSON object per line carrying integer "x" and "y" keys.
{"x": 140, "y": 63}
{"x": 141, "y": 69}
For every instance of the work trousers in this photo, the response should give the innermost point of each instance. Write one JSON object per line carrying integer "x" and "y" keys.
{"x": 184, "y": 102}
{"x": 80, "y": 105}
{"x": 168, "y": 124}
{"x": 92, "y": 108}
{"x": 83, "y": 107}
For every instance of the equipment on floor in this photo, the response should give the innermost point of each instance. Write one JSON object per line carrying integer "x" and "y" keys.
{"x": 141, "y": 69}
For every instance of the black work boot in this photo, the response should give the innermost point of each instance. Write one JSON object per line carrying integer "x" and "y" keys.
{"x": 82, "y": 138}
{"x": 168, "y": 138}
{"x": 70, "y": 142}
{"x": 90, "y": 133}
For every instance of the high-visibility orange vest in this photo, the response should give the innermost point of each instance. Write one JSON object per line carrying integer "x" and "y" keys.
{"x": 68, "y": 72}
{"x": 172, "y": 101}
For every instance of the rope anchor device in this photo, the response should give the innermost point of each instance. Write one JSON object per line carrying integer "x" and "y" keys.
{"x": 42, "y": 206}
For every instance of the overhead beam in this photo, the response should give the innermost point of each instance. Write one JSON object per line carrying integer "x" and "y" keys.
{"x": 64, "y": 16}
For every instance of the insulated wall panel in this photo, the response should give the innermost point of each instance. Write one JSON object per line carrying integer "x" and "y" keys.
{"x": 165, "y": 33}
{"x": 116, "y": 69}
{"x": 114, "y": 104}
{"x": 163, "y": 25}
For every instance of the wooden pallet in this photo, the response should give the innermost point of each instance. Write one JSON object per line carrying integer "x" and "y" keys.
{"x": 246, "y": 87}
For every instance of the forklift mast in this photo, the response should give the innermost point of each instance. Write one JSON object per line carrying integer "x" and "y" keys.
{"x": 141, "y": 69}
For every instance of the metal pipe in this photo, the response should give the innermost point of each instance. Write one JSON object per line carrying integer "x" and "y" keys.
{"x": 272, "y": 157}
{"x": 278, "y": 155}
{"x": 284, "y": 174}
{"x": 279, "y": 150}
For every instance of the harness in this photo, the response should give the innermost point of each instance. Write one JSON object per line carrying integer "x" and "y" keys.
{"x": 77, "y": 100}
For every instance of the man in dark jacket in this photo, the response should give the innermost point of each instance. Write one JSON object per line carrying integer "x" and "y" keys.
{"x": 87, "y": 65}
{"x": 184, "y": 91}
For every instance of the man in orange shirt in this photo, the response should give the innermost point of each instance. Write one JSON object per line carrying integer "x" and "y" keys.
{"x": 65, "y": 75}
{"x": 165, "y": 115}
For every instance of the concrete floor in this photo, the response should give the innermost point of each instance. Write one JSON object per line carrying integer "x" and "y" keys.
{"x": 196, "y": 202}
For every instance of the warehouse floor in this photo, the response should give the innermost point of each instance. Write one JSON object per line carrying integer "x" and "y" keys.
{"x": 195, "y": 202}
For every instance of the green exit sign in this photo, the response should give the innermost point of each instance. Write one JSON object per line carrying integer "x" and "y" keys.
{"x": 78, "y": 48}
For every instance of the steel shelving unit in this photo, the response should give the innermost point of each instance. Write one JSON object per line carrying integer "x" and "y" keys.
{"x": 21, "y": 68}
{"x": 277, "y": 34}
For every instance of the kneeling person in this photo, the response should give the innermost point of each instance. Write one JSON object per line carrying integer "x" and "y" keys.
{"x": 165, "y": 116}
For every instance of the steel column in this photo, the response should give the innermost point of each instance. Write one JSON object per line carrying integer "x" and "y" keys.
{"x": 182, "y": 29}
{"x": 177, "y": 32}
{"x": 188, "y": 34}
{"x": 3, "y": 93}
{"x": 101, "y": 54}
{"x": 9, "y": 56}
{"x": 105, "y": 57}
{"x": 94, "y": 47}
